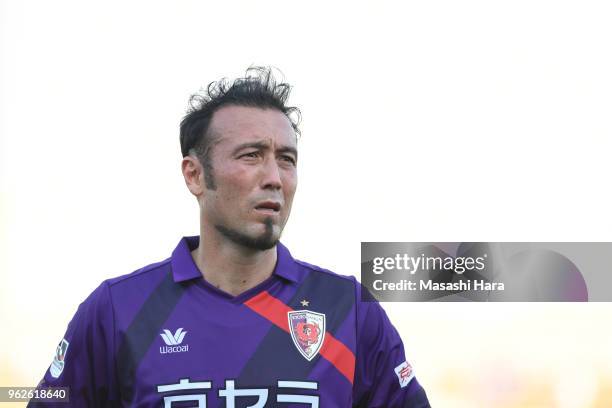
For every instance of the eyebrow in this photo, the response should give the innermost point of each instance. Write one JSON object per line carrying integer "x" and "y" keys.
{"x": 265, "y": 146}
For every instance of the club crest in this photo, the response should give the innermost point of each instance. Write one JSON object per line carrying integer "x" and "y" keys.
{"x": 307, "y": 331}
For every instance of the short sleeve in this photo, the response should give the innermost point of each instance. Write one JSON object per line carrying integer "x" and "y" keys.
{"x": 84, "y": 358}
{"x": 383, "y": 376}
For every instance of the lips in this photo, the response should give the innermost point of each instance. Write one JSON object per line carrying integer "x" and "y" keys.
{"x": 269, "y": 206}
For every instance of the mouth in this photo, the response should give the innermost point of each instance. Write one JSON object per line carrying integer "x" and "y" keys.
{"x": 268, "y": 207}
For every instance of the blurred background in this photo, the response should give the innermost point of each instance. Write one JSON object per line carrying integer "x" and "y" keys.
{"x": 433, "y": 121}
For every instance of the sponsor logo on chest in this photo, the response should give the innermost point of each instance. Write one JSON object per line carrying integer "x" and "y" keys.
{"x": 173, "y": 342}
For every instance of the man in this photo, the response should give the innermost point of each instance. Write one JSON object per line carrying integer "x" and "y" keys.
{"x": 231, "y": 319}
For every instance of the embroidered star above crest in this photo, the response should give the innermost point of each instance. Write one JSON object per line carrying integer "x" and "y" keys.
{"x": 305, "y": 302}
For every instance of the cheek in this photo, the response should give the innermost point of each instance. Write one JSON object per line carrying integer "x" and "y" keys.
{"x": 234, "y": 185}
{"x": 290, "y": 185}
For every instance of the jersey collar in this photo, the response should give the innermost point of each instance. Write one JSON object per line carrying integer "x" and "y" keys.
{"x": 184, "y": 267}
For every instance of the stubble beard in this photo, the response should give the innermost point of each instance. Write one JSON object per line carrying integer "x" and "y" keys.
{"x": 263, "y": 242}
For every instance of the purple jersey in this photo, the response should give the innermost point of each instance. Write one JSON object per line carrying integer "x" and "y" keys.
{"x": 163, "y": 336}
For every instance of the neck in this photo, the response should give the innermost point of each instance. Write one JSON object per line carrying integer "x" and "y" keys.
{"x": 230, "y": 267}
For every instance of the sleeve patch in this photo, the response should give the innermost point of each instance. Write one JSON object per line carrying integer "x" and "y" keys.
{"x": 404, "y": 373}
{"x": 57, "y": 365}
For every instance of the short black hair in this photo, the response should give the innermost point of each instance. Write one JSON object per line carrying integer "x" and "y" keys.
{"x": 258, "y": 88}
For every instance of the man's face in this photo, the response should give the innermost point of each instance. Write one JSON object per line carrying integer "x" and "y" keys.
{"x": 254, "y": 158}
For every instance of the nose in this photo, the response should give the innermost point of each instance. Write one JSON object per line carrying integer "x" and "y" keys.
{"x": 271, "y": 178}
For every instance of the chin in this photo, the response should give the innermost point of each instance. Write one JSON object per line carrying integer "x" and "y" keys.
{"x": 265, "y": 238}
{"x": 260, "y": 241}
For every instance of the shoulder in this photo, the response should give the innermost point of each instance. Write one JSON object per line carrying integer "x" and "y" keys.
{"x": 326, "y": 272}
{"x": 151, "y": 271}
{"x": 139, "y": 282}
{"x": 104, "y": 299}
{"x": 327, "y": 281}
{"x": 347, "y": 284}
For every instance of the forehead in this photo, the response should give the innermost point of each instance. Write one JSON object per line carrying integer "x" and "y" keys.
{"x": 239, "y": 124}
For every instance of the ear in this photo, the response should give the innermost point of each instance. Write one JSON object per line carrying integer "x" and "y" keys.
{"x": 193, "y": 173}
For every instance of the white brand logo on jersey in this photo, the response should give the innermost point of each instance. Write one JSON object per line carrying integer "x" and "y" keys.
{"x": 307, "y": 331}
{"x": 57, "y": 365}
{"x": 173, "y": 341}
{"x": 404, "y": 373}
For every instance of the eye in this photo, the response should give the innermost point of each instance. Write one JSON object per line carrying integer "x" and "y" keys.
{"x": 288, "y": 159}
{"x": 250, "y": 155}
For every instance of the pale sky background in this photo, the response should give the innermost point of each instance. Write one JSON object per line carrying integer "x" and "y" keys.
{"x": 422, "y": 121}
